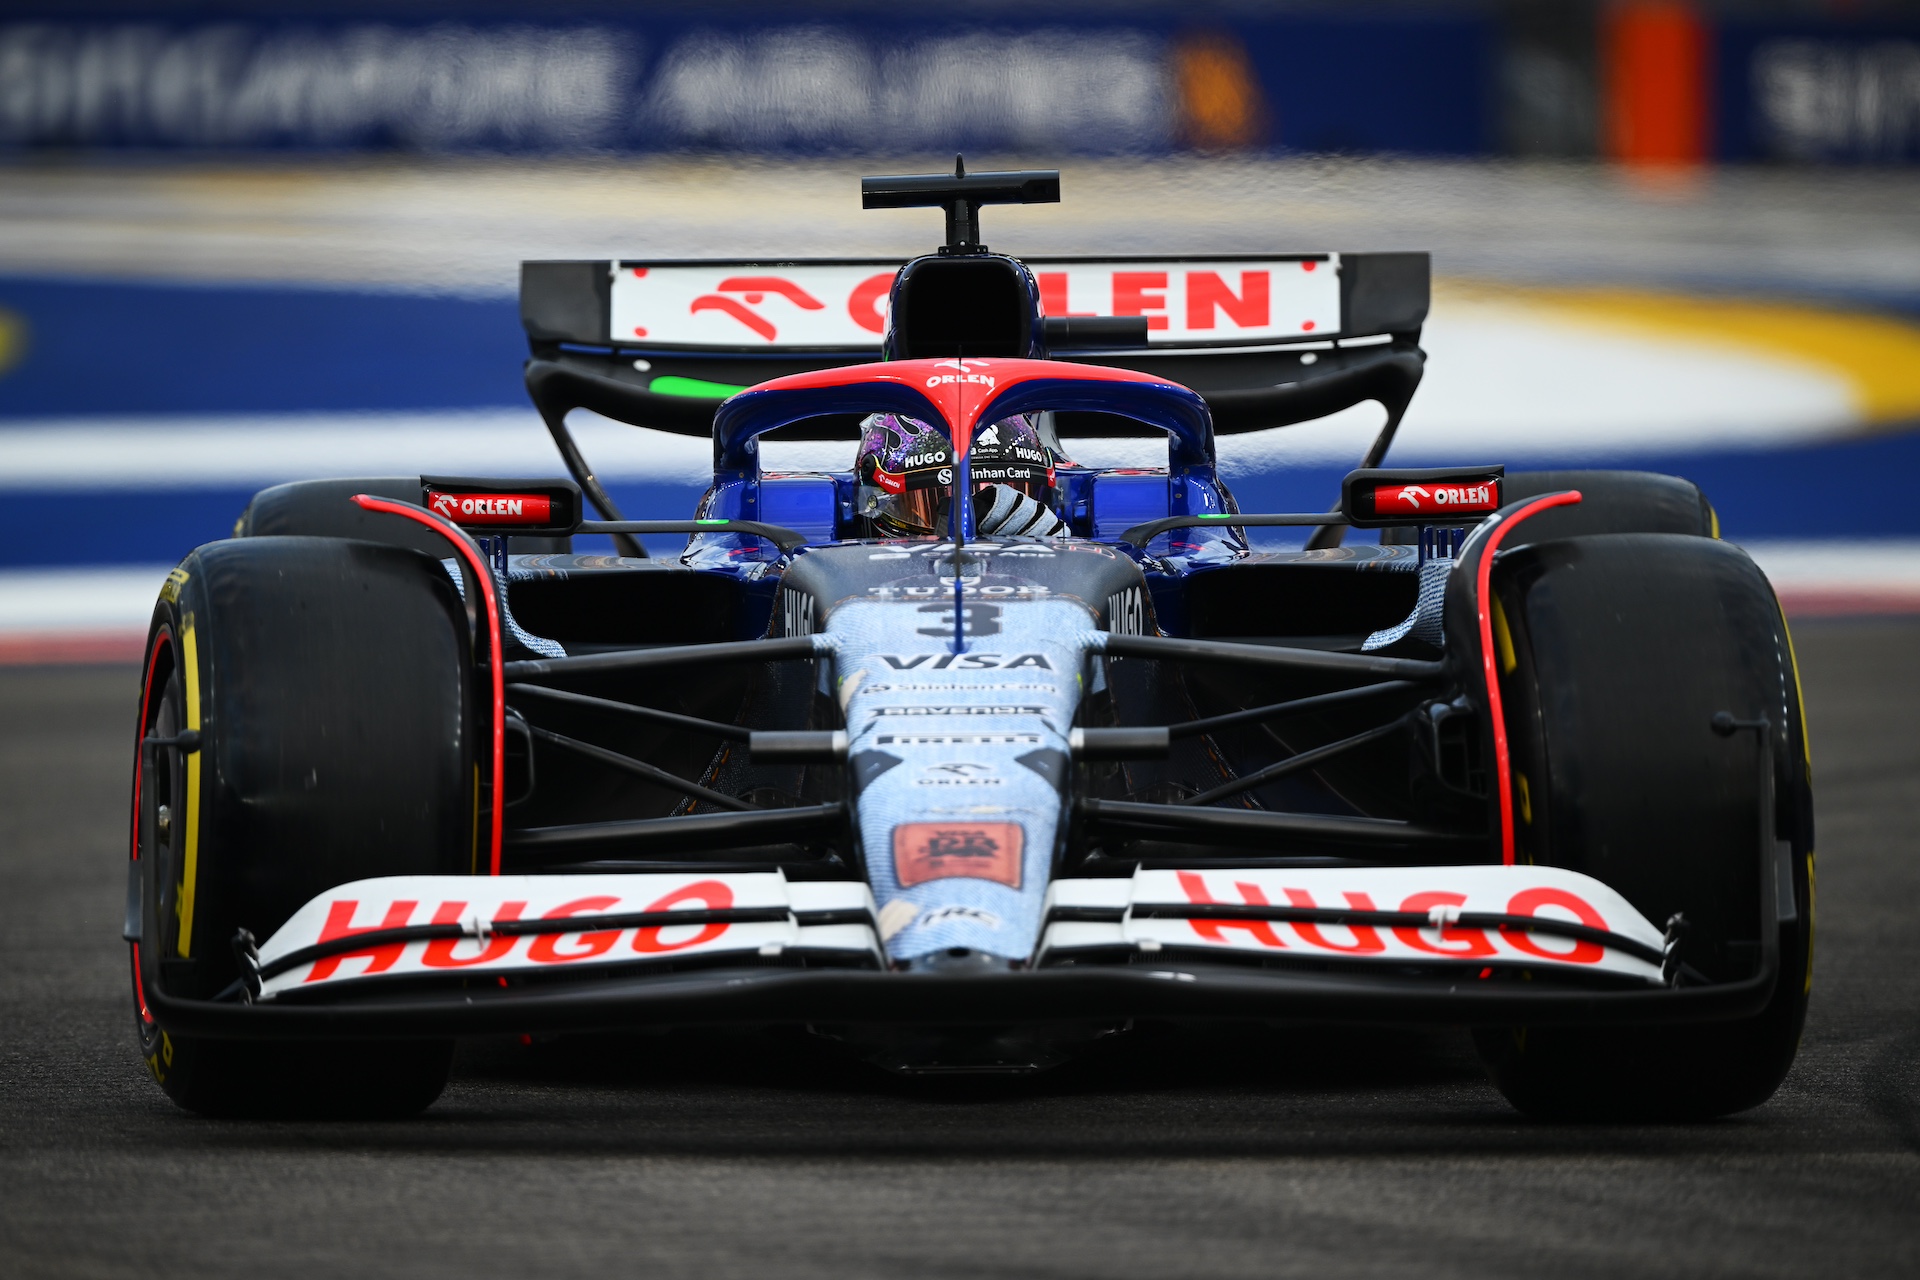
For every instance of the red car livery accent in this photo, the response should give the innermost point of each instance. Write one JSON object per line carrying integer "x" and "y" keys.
{"x": 727, "y": 306}
{"x": 543, "y": 948}
{"x": 1436, "y": 499}
{"x": 843, "y": 305}
{"x": 959, "y": 389}
{"x": 492, "y": 508}
{"x": 1440, "y": 939}
{"x": 863, "y": 304}
{"x": 496, "y": 670}
{"x": 1497, "y": 716}
{"x": 924, "y": 851}
{"x": 753, "y": 290}
{"x": 1192, "y": 301}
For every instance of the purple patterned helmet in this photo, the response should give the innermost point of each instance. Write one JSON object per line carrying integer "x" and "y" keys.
{"x": 905, "y": 471}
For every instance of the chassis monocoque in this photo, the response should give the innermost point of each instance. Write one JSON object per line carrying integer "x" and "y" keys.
{"x": 1533, "y": 762}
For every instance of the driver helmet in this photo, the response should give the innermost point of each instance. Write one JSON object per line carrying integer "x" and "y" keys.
{"x": 905, "y": 476}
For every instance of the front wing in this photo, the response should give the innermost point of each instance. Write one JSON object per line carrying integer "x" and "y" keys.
{"x": 450, "y": 955}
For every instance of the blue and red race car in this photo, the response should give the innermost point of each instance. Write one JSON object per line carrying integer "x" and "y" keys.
{"x": 968, "y": 753}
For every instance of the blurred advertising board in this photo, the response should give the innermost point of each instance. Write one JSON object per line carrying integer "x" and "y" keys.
{"x": 1662, "y": 81}
{"x": 1078, "y": 81}
{"x": 1820, "y": 92}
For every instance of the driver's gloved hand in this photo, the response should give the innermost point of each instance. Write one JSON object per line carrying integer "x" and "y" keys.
{"x": 1003, "y": 511}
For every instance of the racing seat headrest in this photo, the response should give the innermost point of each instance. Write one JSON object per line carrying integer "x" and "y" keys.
{"x": 980, "y": 305}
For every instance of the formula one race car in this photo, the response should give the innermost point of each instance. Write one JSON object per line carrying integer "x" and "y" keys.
{"x": 969, "y": 755}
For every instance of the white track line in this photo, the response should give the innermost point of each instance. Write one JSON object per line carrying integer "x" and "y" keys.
{"x": 255, "y": 451}
{"x": 1831, "y": 577}
{"x": 92, "y": 613}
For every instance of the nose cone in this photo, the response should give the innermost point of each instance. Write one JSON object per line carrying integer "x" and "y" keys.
{"x": 959, "y": 759}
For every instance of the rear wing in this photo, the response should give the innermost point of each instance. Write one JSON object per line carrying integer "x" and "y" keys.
{"x": 838, "y": 306}
{"x": 1267, "y": 339}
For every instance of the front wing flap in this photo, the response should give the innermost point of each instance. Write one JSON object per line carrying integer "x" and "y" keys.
{"x": 448, "y": 927}
{"x": 1392, "y": 916}
{"x": 534, "y": 933}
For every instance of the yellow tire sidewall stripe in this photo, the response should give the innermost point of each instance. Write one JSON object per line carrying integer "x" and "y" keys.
{"x": 190, "y": 861}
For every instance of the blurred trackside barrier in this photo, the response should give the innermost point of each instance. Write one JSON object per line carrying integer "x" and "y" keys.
{"x": 1071, "y": 78}
{"x": 1645, "y": 81}
{"x": 1800, "y": 90}
{"x": 1677, "y": 90}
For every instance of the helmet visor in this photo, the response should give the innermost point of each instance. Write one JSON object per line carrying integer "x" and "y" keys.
{"x": 905, "y": 471}
{"x": 928, "y": 511}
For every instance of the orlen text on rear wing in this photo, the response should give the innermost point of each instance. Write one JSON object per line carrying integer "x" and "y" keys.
{"x": 1267, "y": 339}
{"x": 838, "y": 306}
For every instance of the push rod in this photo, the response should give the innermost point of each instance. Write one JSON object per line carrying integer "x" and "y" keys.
{"x": 652, "y": 773}
{"x": 733, "y": 732}
{"x": 693, "y": 830}
{"x": 1292, "y": 764}
{"x": 1277, "y": 710}
{"x": 1255, "y": 826}
{"x": 1169, "y": 648}
{"x": 785, "y": 649}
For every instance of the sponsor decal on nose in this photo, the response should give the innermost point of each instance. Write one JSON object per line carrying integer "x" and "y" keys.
{"x": 924, "y": 851}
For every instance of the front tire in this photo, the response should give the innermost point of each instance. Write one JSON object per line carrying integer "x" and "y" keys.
{"x": 330, "y": 684}
{"x": 1619, "y": 651}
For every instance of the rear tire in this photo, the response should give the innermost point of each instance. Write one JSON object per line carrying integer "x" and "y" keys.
{"x": 330, "y": 683}
{"x": 1623, "y": 647}
{"x": 1611, "y": 502}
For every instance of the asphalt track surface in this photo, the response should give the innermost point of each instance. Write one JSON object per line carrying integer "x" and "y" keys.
{"x": 1252, "y": 1154}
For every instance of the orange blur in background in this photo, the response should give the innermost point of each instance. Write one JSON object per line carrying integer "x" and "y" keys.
{"x": 1658, "y": 79}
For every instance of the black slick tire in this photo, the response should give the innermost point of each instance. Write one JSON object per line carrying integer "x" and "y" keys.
{"x": 330, "y": 684}
{"x": 1616, "y": 652}
{"x": 1612, "y": 502}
